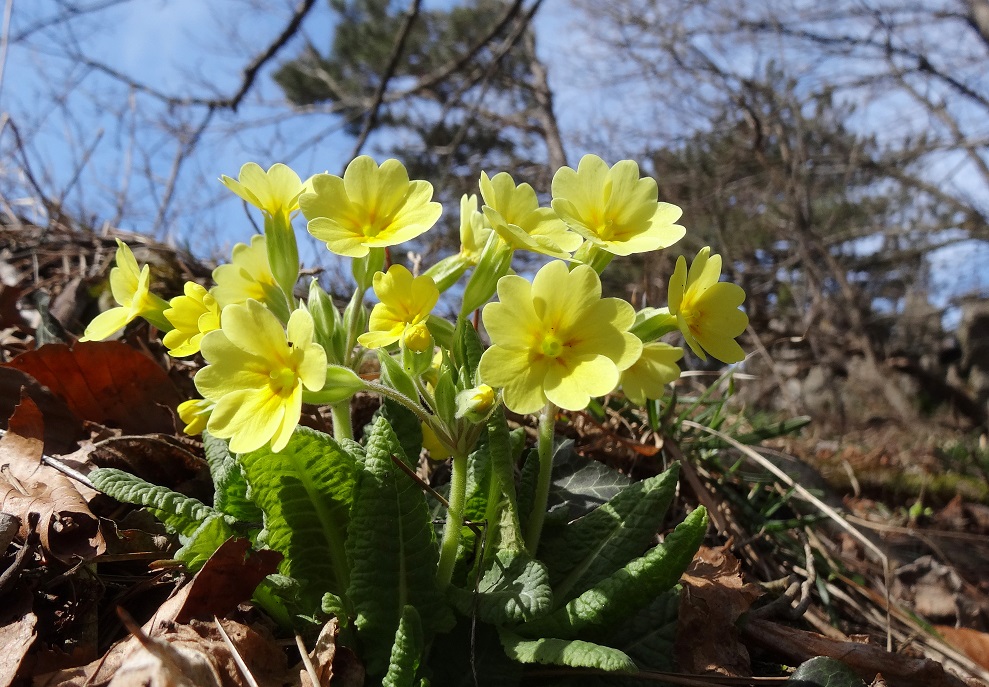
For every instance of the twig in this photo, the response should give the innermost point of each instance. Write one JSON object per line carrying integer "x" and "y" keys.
{"x": 63, "y": 468}
{"x": 20, "y": 560}
{"x": 396, "y": 53}
{"x": 238, "y": 659}
{"x": 306, "y": 661}
{"x": 5, "y": 38}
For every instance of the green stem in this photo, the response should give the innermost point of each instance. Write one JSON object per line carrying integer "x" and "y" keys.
{"x": 534, "y": 528}
{"x": 343, "y": 427}
{"x": 404, "y": 400}
{"x": 454, "y": 521}
{"x": 352, "y": 333}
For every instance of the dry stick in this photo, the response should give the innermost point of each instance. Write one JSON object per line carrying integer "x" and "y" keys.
{"x": 396, "y": 53}
{"x": 238, "y": 659}
{"x": 183, "y": 152}
{"x": 5, "y": 38}
{"x": 63, "y": 468}
{"x": 823, "y": 507}
{"x": 310, "y": 669}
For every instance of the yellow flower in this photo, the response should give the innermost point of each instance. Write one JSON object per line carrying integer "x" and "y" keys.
{"x": 247, "y": 276}
{"x": 195, "y": 414}
{"x": 256, "y": 375}
{"x": 476, "y": 404}
{"x": 649, "y": 375}
{"x": 192, "y": 315}
{"x": 474, "y": 234}
{"x": 707, "y": 309}
{"x": 514, "y": 212}
{"x": 556, "y": 340}
{"x": 405, "y": 305}
{"x": 130, "y": 285}
{"x": 370, "y": 207}
{"x": 437, "y": 450}
{"x": 275, "y": 192}
{"x": 613, "y": 208}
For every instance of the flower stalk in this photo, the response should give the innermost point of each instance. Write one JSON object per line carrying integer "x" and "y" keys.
{"x": 534, "y": 527}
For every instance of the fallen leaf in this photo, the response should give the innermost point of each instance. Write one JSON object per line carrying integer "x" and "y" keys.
{"x": 714, "y": 596}
{"x": 157, "y": 458}
{"x": 227, "y": 579}
{"x": 17, "y": 634}
{"x": 107, "y": 382}
{"x": 972, "y": 643}
{"x": 68, "y": 529}
{"x": 62, "y": 429}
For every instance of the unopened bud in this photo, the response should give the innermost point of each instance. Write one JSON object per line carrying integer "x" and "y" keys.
{"x": 476, "y": 404}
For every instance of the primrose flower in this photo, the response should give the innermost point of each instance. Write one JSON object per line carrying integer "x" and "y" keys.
{"x": 649, "y": 375}
{"x": 256, "y": 375}
{"x": 130, "y": 285}
{"x": 514, "y": 213}
{"x": 370, "y": 207}
{"x": 275, "y": 192}
{"x": 192, "y": 315}
{"x": 613, "y": 208}
{"x": 401, "y": 315}
{"x": 476, "y": 404}
{"x": 248, "y": 275}
{"x": 556, "y": 340}
{"x": 707, "y": 309}
{"x": 195, "y": 414}
{"x": 474, "y": 234}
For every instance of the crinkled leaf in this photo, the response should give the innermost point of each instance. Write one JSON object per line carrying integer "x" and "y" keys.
{"x": 228, "y": 480}
{"x": 182, "y": 514}
{"x": 305, "y": 492}
{"x": 392, "y": 547}
{"x": 574, "y": 653}
{"x": 824, "y": 672}
{"x": 204, "y": 541}
{"x": 592, "y": 547}
{"x": 621, "y": 594}
{"x": 648, "y": 636}
{"x": 580, "y": 484}
{"x": 406, "y": 652}
{"x": 513, "y": 589}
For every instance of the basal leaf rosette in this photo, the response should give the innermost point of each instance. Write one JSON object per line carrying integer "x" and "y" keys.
{"x": 556, "y": 340}
{"x": 613, "y": 208}
{"x": 514, "y": 213}
{"x": 130, "y": 285}
{"x": 193, "y": 314}
{"x": 406, "y": 302}
{"x": 707, "y": 310}
{"x": 370, "y": 207}
{"x": 256, "y": 375}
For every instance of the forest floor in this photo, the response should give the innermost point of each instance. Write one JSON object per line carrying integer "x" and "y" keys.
{"x": 869, "y": 546}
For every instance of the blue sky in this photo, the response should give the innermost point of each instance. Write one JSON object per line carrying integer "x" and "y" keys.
{"x": 197, "y": 48}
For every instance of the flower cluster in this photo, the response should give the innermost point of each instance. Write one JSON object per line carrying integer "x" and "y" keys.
{"x": 555, "y": 341}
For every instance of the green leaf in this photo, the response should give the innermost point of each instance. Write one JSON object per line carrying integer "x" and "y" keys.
{"x": 599, "y": 543}
{"x": 406, "y": 652}
{"x": 395, "y": 376}
{"x": 625, "y": 592}
{"x": 305, "y": 492}
{"x": 514, "y": 589}
{"x": 824, "y": 672}
{"x": 182, "y": 514}
{"x": 500, "y": 447}
{"x": 581, "y": 485}
{"x": 442, "y": 331}
{"x": 228, "y": 480}
{"x": 204, "y": 541}
{"x": 648, "y": 637}
{"x": 574, "y": 653}
{"x": 446, "y": 395}
{"x": 392, "y": 548}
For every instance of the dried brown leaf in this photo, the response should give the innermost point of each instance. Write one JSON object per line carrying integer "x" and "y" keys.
{"x": 69, "y": 531}
{"x": 972, "y": 643}
{"x": 714, "y": 596}
{"x": 17, "y": 634}
{"x": 107, "y": 382}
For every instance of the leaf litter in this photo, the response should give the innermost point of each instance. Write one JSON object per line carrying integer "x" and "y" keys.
{"x": 88, "y": 597}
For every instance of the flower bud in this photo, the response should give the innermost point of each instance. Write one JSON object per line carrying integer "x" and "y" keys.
{"x": 476, "y": 404}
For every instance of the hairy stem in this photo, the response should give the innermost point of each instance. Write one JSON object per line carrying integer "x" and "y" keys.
{"x": 534, "y": 528}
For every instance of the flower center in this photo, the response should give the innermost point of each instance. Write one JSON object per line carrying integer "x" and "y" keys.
{"x": 606, "y": 229}
{"x": 552, "y": 346}
{"x": 282, "y": 378}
